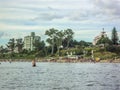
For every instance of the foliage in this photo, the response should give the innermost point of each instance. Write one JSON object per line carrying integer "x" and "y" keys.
{"x": 19, "y": 44}
{"x": 39, "y": 45}
{"x": 41, "y": 53}
{"x": 104, "y": 55}
{"x": 104, "y": 40}
{"x": 62, "y": 43}
{"x": 113, "y": 48}
{"x": 68, "y": 35}
{"x": 2, "y": 51}
{"x": 114, "y": 37}
{"x": 11, "y": 44}
{"x": 51, "y": 40}
{"x": 73, "y": 51}
{"x": 57, "y": 38}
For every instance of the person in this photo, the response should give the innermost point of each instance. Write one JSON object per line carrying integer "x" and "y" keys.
{"x": 33, "y": 63}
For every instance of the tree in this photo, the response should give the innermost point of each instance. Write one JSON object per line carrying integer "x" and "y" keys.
{"x": 104, "y": 40}
{"x": 1, "y": 49}
{"x": 40, "y": 49}
{"x": 19, "y": 44}
{"x": 51, "y": 40}
{"x": 59, "y": 40}
{"x": 39, "y": 45}
{"x": 114, "y": 38}
{"x": 11, "y": 45}
{"x": 84, "y": 44}
{"x": 68, "y": 35}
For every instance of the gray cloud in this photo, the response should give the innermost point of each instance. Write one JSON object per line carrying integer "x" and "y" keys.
{"x": 108, "y": 7}
{"x": 74, "y": 10}
{"x": 101, "y": 10}
{"x": 48, "y": 16}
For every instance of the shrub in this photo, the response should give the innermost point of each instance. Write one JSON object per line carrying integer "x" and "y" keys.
{"x": 105, "y": 55}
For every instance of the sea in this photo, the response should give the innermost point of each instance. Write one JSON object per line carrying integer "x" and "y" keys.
{"x": 59, "y": 76}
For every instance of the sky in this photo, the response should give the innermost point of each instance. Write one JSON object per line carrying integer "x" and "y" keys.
{"x": 87, "y": 18}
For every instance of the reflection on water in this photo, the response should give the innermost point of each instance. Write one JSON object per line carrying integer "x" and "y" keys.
{"x": 59, "y": 76}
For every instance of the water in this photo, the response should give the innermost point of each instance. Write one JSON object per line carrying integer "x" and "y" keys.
{"x": 59, "y": 76}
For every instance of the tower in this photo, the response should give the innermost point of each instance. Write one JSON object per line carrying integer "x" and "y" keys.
{"x": 103, "y": 33}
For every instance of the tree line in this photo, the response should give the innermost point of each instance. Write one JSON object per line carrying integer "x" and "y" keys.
{"x": 59, "y": 41}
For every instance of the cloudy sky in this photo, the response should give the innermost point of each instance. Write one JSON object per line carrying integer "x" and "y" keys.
{"x": 85, "y": 17}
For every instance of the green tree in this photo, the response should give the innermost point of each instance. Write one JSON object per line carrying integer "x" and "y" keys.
{"x": 114, "y": 38}
{"x": 19, "y": 44}
{"x": 51, "y": 40}
{"x": 59, "y": 40}
{"x": 69, "y": 36}
{"x": 104, "y": 40}
{"x": 1, "y": 49}
{"x": 11, "y": 45}
{"x": 84, "y": 44}
{"x": 39, "y": 45}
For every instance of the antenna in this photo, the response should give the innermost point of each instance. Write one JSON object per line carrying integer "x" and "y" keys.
{"x": 103, "y": 31}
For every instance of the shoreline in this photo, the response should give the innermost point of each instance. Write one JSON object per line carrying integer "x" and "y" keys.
{"x": 63, "y": 60}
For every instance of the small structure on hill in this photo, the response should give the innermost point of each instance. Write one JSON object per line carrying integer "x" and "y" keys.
{"x": 103, "y": 33}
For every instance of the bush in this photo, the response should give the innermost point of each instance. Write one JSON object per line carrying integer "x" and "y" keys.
{"x": 113, "y": 48}
{"x": 74, "y": 51}
{"x": 105, "y": 55}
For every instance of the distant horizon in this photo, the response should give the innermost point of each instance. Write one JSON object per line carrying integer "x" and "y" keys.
{"x": 85, "y": 17}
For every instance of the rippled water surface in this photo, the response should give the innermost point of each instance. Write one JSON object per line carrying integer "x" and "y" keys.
{"x": 59, "y": 76}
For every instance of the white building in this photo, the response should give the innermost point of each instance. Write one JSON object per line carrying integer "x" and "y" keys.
{"x": 103, "y": 33}
{"x": 30, "y": 40}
